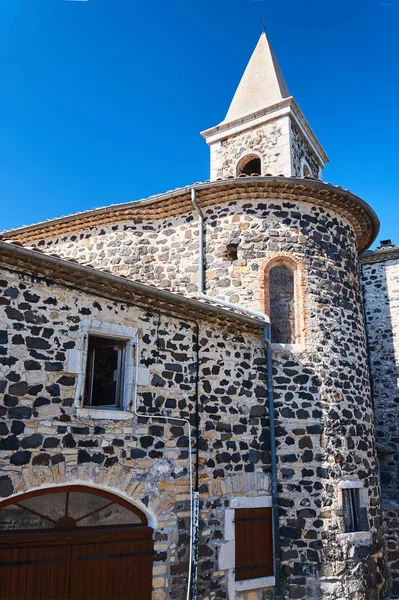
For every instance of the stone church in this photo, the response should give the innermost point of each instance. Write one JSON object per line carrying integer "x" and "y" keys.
{"x": 199, "y": 390}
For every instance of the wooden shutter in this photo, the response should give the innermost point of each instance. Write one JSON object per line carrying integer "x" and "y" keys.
{"x": 253, "y": 543}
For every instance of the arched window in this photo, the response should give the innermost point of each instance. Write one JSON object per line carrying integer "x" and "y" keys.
{"x": 282, "y": 304}
{"x": 68, "y": 508}
{"x": 306, "y": 171}
{"x": 249, "y": 165}
{"x": 283, "y": 289}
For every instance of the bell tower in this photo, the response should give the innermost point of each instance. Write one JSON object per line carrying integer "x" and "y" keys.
{"x": 264, "y": 131}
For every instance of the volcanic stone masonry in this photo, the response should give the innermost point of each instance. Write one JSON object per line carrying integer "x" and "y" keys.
{"x": 325, "y": 434}
{"x": 211, "y": 369}
{"x": 380, "y": 283}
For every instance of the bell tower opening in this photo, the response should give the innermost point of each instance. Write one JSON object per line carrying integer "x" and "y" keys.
{"x": 263, "y": 120}
{"x": 249, "y": 165}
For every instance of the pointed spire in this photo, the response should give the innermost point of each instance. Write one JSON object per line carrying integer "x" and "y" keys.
{"x": 262, "y": 84}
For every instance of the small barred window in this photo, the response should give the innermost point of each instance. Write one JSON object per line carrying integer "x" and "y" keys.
{"x": 282, "y": 304}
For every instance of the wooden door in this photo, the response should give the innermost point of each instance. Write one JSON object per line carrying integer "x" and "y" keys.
{"x": 36, "y": 573}
{"x": 111, "y": 571}
{"x": 86, "y": 564}
{"x": 254, "y": 543}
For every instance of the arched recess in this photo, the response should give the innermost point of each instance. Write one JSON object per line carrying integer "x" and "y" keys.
{"x": 250, "y": 164}
{"x": 283, "y": 283}
{"x": 74, "y": 542}
{"x": 306, "y": 171}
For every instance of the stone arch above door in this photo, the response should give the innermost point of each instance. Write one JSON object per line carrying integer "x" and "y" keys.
{"x": 68, "y": 507}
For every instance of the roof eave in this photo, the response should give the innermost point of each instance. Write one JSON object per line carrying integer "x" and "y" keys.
{"x": 13, "y": 255}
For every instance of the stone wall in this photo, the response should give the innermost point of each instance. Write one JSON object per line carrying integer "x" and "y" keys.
{"x": 47, "y": 438}
{"x": 391, "y": 523}
{"x": 301, "y": 152}
{"x": 325, "y": 430}
{"x": 278, "y": 143}
{"x": 380, "y": 282}
{"x": 270, "y": 141}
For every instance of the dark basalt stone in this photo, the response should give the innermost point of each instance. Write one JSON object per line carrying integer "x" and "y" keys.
{"x": 20, "y": 412}
{"x": 41, "y": 401}
{"x": 57, "y": 458}
{"x": 42, "y": 459}
{"x": 32, "y": 365}
{"x": 21, "y": 458}
{"x": 68, "y": 441}
{"x": 137, "y": 453}
{"x": 53, "y": 366}
{"x": 3, "y": 429}
{"x": 51, "y": 442}
{"x": 18, "y": 389}
{"x": 13, "y": 314}
{"x": 32, "y": 441}
{"x": 53, "y": 390}
{"x": 9, "y": 443}
{"x": 37, "y": 343}
{"x": 10, "y": 400}
{"x": 66, "y": 380}
{"x": 6, "y": 486}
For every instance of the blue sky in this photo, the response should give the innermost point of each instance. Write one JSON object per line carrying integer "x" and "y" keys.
{"x": 102, "y": 101}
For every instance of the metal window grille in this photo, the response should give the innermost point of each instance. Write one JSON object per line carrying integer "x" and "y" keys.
{"x": 351, "y": 505}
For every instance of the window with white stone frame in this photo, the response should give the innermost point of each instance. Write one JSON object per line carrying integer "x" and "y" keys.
{"x": 352, "y": 507}
{"x": 247, "y": 550}
{"x": 104, "y": 361}
{"x": 104, "y": 372}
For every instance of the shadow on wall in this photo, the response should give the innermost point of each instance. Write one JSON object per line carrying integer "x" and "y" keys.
{"x": 381, "y": 309}
{"x": 323, "y": 436}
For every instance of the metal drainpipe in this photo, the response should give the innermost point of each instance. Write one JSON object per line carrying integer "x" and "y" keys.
{"x": 201, "y": 272}
{"x": 273, "y": 460}
{"x": 266, "y": 337}
{"x": 194, "y": 495}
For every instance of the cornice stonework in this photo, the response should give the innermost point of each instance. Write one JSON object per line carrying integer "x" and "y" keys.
{"x": 345, "y": 204}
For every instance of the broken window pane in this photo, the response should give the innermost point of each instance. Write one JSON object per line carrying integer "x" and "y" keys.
{"x": 282, "y": 304}
{"x": 104, "y": 372}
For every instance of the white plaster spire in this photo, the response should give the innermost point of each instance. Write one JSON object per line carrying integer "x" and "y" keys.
{"x": 264, "y": 130}
{"x": 262, "y": 84}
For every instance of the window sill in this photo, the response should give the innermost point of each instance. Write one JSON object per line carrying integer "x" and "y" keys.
{"x": 93, "y": 413}
{"x": 254, "y": 584}
{"x": 356, "y": 537}
{"x": 287, "y": 348}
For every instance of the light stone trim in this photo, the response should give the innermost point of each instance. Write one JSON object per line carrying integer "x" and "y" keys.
{"x": 92, "y": 413}
{"x": 347, "y": 484}
{"x": 294, "y": 348}
{"x": 254, "y": 584}
{"x": 345, "y": 204}
{"x": 361, "y": 538}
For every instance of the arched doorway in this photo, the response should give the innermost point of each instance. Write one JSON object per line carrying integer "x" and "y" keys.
{"x": 74, "y": 542}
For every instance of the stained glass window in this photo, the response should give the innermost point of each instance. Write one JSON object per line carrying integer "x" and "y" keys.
{"x": 282, "y": 304}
